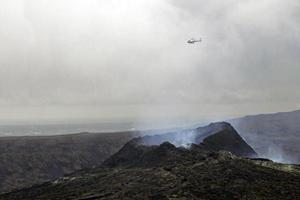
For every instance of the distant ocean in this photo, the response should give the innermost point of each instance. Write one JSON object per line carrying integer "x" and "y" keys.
{"x": 59, "y": 129}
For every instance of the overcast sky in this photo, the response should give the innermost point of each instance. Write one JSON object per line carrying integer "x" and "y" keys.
{"x": 129, "y": 60}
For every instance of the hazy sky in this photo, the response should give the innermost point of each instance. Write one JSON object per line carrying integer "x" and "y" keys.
{"x": 128, "y": 59}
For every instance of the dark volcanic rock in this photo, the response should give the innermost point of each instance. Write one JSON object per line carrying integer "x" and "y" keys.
{"x": 216, "y": 136}
{"x": 229, "y": 140}
{"x": 185, "y": 136}
{"x": 166, "y": 172}
{"x": 166, "y": 154}
{"x": 25, "y": 161}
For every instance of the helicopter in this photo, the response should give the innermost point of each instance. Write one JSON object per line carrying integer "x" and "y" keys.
{"x": 193, "y": 41}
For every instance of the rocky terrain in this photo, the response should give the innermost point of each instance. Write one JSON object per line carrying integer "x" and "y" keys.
{"x": 30, "y": 160}
{"x": 215, "y": 136}
{"x": 26, "y": 161}
{"x": 167, "y": 172}
{"x": 274, "y": 136}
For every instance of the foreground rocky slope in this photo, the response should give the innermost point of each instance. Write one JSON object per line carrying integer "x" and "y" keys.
{"x": 168, "y": 172}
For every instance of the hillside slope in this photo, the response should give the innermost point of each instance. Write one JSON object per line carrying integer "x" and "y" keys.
{"x": 25, "y": 161}
{"x": 274, "y": 136}
{"x": 167, "y": 172}
{"x": 30, "y": 160}
{"x": 216, "y": 136}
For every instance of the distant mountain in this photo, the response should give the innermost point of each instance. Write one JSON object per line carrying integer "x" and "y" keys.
{"x": 275, "y": 136}
{"x": 164, "y": 172}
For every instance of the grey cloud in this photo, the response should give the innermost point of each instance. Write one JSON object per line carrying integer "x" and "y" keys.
{"x": 101, "y": 55}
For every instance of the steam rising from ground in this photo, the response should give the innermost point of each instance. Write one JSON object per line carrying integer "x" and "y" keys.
{"x": 186, "y": 141}
{"x": 185, "y": 137}
{"x": 179, "y": 138}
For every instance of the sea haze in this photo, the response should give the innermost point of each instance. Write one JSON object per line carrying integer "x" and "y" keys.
{"x": 70, "y": 128}
{"x": 59, "y": 129}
